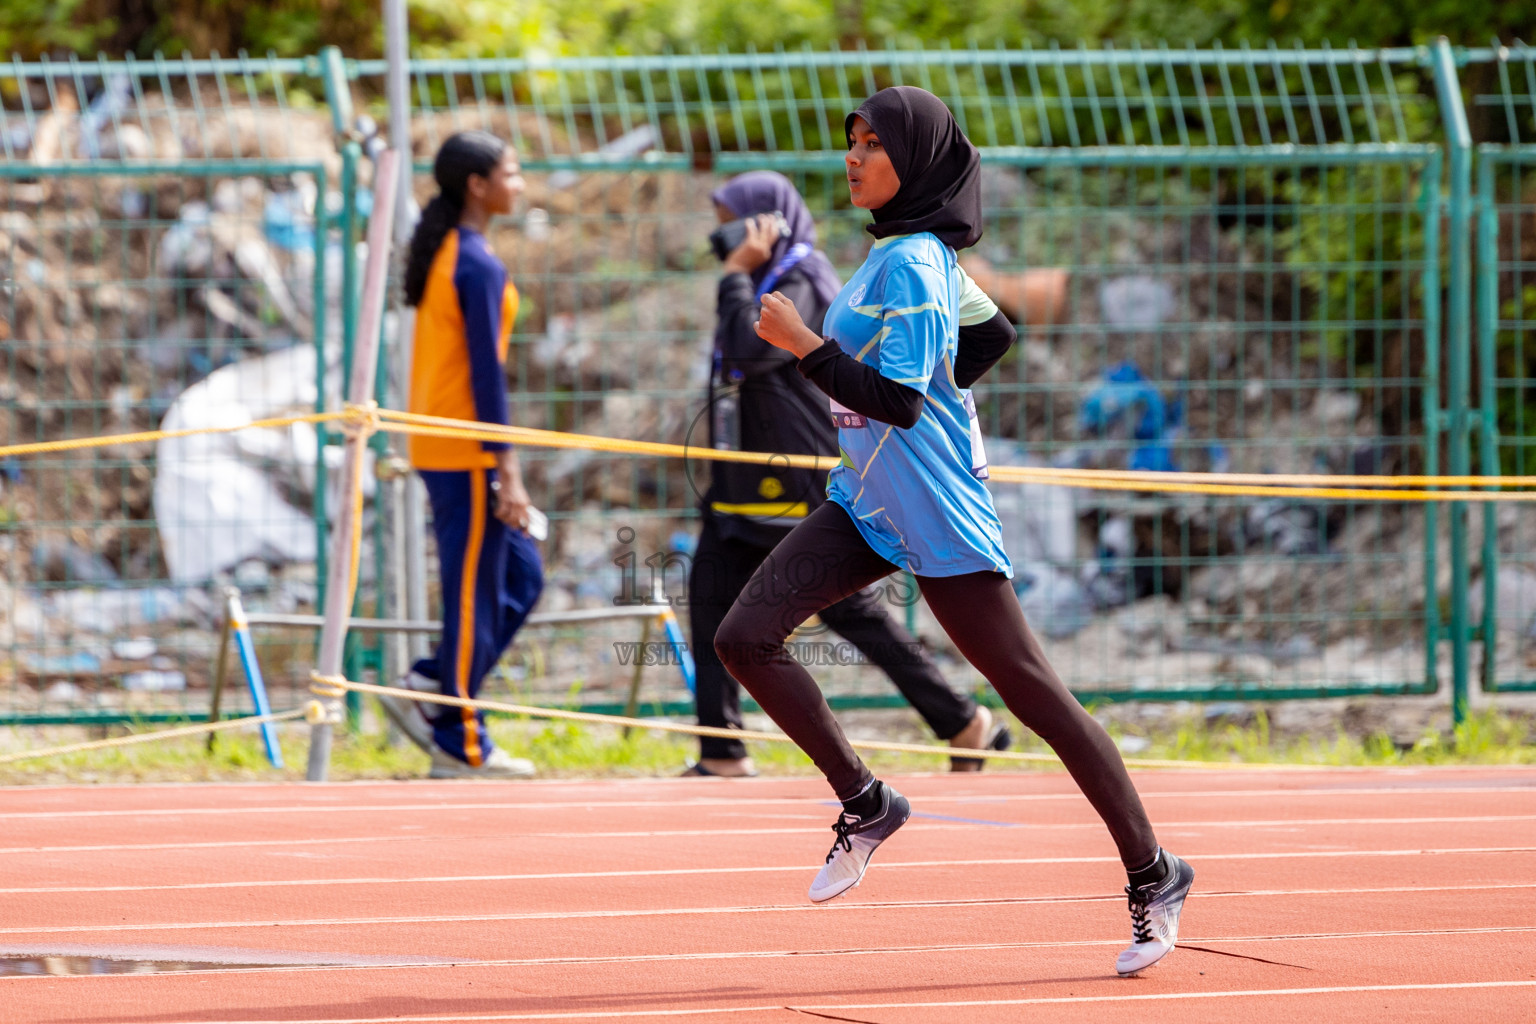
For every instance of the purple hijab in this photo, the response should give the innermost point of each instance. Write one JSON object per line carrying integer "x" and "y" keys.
{"x": 755, "y": 192}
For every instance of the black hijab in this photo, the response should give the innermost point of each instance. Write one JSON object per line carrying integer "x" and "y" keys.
{"x": 940, "y": 170}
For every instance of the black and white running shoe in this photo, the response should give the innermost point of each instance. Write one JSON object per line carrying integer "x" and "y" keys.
{"x": 855, "y": 844}
{"x": 1155, "y": 917}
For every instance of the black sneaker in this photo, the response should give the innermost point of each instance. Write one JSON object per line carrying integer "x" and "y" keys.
{"x": 855, "y": 844}
{"x": 1155, "y": 917}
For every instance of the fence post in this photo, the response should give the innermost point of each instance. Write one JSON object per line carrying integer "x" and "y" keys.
{"x": 221, "y": 662}
{"x": 1458, "y": 358}
{"x": 1434, "y": 624}
{"x": 1487, "y": 275}
{"x": 410, "y": 560}
{"x": 327, "y": 709}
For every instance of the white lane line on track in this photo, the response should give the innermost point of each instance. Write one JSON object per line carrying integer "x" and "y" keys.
{"x": 768, "y": 869}
{"x": 916, "y": 826}
{"x": 399, "y": 785}
{"x": 746, "y": 802}
{"x": 764, "y": 781}
{"x": 794, "y": 908}
{"x": 772, "y": 954}
{"x": 1452, "y": 986}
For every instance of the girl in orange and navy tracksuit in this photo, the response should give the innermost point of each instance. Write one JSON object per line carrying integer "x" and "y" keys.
{"x": 490, "y": 567}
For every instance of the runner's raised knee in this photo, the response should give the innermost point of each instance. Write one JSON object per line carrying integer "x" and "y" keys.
{"x": 744, "y": 639}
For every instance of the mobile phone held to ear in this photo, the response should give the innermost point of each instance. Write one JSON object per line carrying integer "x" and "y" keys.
{"x": 729, "y": 235}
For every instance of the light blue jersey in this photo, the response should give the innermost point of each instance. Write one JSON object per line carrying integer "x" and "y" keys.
{"x": 917, "y": 495}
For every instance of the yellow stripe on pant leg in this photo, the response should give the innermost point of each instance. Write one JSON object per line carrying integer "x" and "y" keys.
{"x": 466, "y": 652}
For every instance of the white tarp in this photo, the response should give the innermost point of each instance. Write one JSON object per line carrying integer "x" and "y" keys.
{"x": 220, "y": 498}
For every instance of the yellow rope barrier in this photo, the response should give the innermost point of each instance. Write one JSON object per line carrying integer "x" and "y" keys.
{"x": 436, "y": 426}
{"x": 105, "y": 441}
{"x": 562, "y": 714}
{"x": 319, "y": 686}
{"x": 147, "y": 737}
{"x": 1016, "y": 474}
{"x": 367, "y": 419}
{"x": 1362, "y": 488}
{"x": 361, "y": 420}
{"x": 1300, "y": 479}
{"x": 361, "y": 423}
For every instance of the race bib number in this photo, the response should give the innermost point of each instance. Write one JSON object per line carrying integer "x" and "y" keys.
{"x": 978, "y": 449}
{"x": 846, "y": 418}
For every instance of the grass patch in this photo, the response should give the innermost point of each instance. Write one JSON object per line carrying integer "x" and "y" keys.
{"x": 1487, "y": 737}
{"x": 572, "y": 750}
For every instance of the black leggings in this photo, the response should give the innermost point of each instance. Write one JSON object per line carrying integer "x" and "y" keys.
{"x": 722, "y": 567}
{"x": 824, "y": 560}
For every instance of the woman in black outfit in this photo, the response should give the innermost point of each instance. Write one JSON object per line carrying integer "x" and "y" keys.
{"x": 909, "y": 494}
{"x": 759, "y": 402}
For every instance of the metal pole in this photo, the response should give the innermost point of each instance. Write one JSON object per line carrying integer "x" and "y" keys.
{"x": 411, "y": 590}
{"x": 221, "y": 663}
{"x": 1458, "y": 359}
{"x": 415, "y": 516}
{"x": 397, "y": 92}
{"x": 633, "y": 703}
{"x": 400, "y": 644}
{"x": 338, "y": 593}
{"x": 1487, "y": 348}
{"x": 396, "y": 484}
{"x": 1434, "y": 626}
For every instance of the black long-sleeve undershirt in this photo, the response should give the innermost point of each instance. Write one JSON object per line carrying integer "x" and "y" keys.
{"x": 861, "y": 387}
{"x": 981, "y": 346}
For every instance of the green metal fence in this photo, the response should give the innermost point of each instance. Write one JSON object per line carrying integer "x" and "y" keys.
{"x": 1281, "y": 207}
{"x": 140, "y": 284}
{"x": 1505, "y": 304}
{"x": 1240, "y": 259}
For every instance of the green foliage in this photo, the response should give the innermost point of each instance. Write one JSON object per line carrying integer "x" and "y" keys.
{"x": 472, "y": 27}
{"x": 1340, "y": 21}
{"x": 1487, "y": 737}
{"x": 649, "y": 26}
{"x": 285, "y": 27}
{"x": 1515, "y": 362}
{"x": 1356, "y": 241}
{"x": 625, "y": 26}
{"x": 31, "y": 28}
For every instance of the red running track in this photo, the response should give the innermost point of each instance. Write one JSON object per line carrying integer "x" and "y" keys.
{"x": 1405, "y": 895}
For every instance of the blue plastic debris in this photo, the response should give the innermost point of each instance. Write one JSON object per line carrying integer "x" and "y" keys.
{"x": 1126, "y": 404}
{"x": 1128, "y": 407}
{"x": 286, "y": 223}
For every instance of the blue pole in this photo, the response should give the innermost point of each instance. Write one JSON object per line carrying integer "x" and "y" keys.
{"x": 679, "y": 646}
{"x": 247, "y": 648}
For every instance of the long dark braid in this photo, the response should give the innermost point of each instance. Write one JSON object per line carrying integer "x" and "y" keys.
{"x": 461, "y": 154}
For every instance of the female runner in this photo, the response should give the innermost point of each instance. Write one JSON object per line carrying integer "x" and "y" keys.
{"x": 489, "y": 564}
{"x": 909, "y": 495}
{"x": 777, "y": 410}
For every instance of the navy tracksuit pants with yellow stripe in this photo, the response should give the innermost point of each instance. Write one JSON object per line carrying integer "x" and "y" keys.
{"x": 491, "y": 576}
